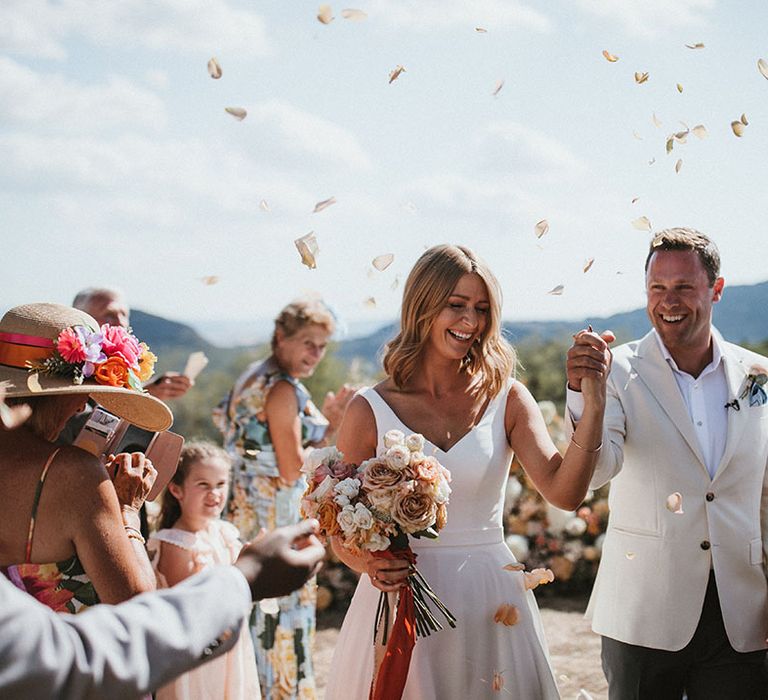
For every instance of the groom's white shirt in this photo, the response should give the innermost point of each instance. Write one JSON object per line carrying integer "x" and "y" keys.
{"x": 655, "y": 564}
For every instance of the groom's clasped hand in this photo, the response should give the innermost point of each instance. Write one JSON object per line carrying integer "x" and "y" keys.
{"x": 589, "y": 358}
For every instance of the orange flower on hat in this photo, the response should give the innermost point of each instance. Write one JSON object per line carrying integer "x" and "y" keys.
{"x": 113, "y": 372}
{"x": 146, "y": 362}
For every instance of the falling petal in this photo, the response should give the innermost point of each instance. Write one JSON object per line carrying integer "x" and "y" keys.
{"x": 395, "y": 74}
{"x": 610, "y": 57}
{"x": 210, "y": 280}
{"x": 634, "y": 199}
{"x": 237, "y": 112}
{"x": 630, "y": 555}
{"x": 556, "y": 291}
{"x": 695, "y": 46}
{"x": 481, "y": 30}
{"x": 394, "y": 284}
{"x": 370, "y": 302}
{"x": 541, "y": 228}
{"x": 497, "y": 88}
{"x": 264, "y": 205}
{"x": 588, "y": 265}
{"x": 642, "y": 224}
{"x": 214, "y": 69}
{"x": 738, "y": 128}
{"x": 679, "y": 87}
{"x": 656, "y": 121}
{"x": 641, "y": 78}
{"x": 670, "y": 144}
{"x": 382, "y": 262}
{"x": 33, "y": 383}
{"x": 637, "y": 136}
{"x": 308, "y": 249}
{"x": 651, "y": 161}
{"x": 678, "y": 165}
{"x": 743, "y": 120}
{"x": 762, "y": 66}
{"x": 324, "y": 204}
{"x": 675, "y": 503}
{"x": 325, "y": 14}
{"x": 700, "y": 131}
{"x": 681, "y": 136}
{"x": 537, "y": 577}
{"x": 354, "y": 15}
{"x": 516, "y": 566}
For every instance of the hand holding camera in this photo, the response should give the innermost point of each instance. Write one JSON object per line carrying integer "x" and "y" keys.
{"x": 133, "y": 476}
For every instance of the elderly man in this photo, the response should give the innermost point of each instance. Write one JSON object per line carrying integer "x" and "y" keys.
{"x": 681, "y": 599}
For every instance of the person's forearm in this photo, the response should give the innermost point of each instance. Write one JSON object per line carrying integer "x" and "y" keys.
{"x": 132, "y": 524}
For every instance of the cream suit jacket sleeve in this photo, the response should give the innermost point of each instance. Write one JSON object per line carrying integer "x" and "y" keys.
{"x": 118, "y": 651}
{"x": 655, "y": 564}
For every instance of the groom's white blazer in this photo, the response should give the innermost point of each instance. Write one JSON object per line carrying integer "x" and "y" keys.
{"x": 655, "y": 564}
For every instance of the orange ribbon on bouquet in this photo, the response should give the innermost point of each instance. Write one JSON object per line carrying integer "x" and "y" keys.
{"x": 392, "y": 672}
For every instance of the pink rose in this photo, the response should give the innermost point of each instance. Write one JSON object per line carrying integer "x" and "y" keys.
{"x": 118, "y": 341}
{"x": 427, "y": 470}
{"x": 70, "y": 346}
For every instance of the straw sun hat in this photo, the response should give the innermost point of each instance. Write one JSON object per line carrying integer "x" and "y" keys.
{"x": 28, "y": 334}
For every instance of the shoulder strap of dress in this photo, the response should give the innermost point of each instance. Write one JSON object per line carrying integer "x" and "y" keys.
{"x": 35, "y": 504}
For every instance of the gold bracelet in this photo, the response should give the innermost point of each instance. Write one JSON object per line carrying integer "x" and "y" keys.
{"x": 134, "y": 534}
{"x": 584, "y": 449}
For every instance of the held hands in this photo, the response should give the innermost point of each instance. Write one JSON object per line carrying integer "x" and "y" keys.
{"x": 282, "y": 560}
{"x": 335, "y": 404}
{"x": 388, "y": 575}
{"x": 589, "y": 363}
{"x": 170, "y": 385}
{"x": 133, "y": 476}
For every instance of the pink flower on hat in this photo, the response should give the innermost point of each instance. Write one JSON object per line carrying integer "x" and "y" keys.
{"x": 118, "y": 341}
{"x": 70, "y": 345}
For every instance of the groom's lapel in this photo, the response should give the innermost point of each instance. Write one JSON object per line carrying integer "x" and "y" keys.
{"x": 656, "y": 374}
{"x": 735, "y": 372}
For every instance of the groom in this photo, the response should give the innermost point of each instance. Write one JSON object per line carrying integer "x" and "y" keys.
{"x": 680, "y": 598}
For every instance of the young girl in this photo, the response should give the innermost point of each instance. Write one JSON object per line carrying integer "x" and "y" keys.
{"x": 192, "y": 537}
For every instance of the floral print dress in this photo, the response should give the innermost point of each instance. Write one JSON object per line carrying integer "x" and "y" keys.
{"x": 283, "y": 630}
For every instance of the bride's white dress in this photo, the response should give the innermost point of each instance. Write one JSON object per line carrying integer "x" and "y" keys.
{"x": 479, "y": 658}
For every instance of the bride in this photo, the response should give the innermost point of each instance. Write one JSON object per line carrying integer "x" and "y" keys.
{"x": 450, "y": 378}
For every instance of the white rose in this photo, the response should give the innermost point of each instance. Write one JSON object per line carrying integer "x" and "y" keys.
{"x": 325, "y": 489}
{"x": 576, "y": 527}
{"x": 346, "y": 519}
{"x": 381, "y": 500}
{"x": 347, "y": 487}
{"x": 341, "y": 500}
{"x": 377, "y": 542}
{"x": 363, "y": 518}
{"x": 398, "y": 457}
{"x": 393, "y": 437}
{"x": 319, "y": 455}
{"x": 415, "y": 442}
{"x": 417, "y": 457}
{"x": 442, "y": 491}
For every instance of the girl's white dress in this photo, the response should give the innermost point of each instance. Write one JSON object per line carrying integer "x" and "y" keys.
{"x": 465, "y": 567}
{"x": 232, "y": 676}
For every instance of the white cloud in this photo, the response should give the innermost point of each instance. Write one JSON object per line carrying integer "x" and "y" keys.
{"x": 42, "y": 27}
{"x": 650, "y": 18}
{"x": 31, "y": 98}
{"x": 304, "y": 133}
{"x": 426, "y": 15}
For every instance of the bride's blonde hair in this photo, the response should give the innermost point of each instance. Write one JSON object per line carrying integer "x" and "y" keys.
{"x": 426, "y": 292}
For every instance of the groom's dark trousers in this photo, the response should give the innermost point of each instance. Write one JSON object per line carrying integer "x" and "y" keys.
{"x": 707, "y": 668}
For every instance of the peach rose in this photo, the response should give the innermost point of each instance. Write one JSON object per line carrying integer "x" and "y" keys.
{"x": 378, "y": 474}
{"x": 326, "y": 514}
{"x": 146, "y": 361}
{"x": 428, "y": 469}
{"x": 113, "y": 372}
{"x": 413, "y": 511}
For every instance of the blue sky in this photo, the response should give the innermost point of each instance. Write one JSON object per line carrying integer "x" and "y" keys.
{"x": 121, "y": 167}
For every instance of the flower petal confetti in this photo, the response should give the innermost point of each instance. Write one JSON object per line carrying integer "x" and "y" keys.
{"x": 678, "y": 165}
{"x": 481, "y": 30}
{"x": 694, "y": 46}
{"x": 762, "y": 66}
{"x": 541, "y": 228}
{"x": 700, "y": 131}
{"x": 634, "y": 199}
{"x": 394, "y": 284}
{"x": 324, "y": 204}
{"x": 497, "y": 88}
{"x": 308, "y": 249}
{"x": 670, "y": 144}
{"x": 679, "y": 87}
{"x": 515, "y": 566}
{"x": 395, "y": 74}
{"x": 656, "y": 121}
{"x": 264, "y": 205}
{"x": 214, "y": 69}
{"x": 610, "y": 57}
{"x": 210, "y": 280}
{"x": 641, "y": 78}
{"x": 507, "y": 615}
{"x": 651, "y": 161}
{"x": 537, "y": 577}
{"x": 325, "y": 14}
{"x": 630, "y": 555}
{"x": 743, "y": 120}
{"x": 237, "y": 112}
{"x": 738, "y": 128}
{"x": 588, "y": 265}
{"x": 382, "y": 262}
{"x": 370, "y": 302}
{"x": 637, "y": 136}
{"x": 354, "y": 15}
{"x": 556, "y": 291}
{"x": 675, "y": 503}
{"x": 642, "y": 224}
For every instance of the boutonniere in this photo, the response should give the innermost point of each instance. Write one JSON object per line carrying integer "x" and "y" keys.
{"x": 754, "y": 384}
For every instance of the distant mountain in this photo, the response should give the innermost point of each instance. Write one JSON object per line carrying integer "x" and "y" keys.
{"x": 162, "y": 334}
{"x": 741, "y": 316}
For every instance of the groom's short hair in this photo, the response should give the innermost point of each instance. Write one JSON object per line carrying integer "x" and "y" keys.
{"x": 688, "y": 239}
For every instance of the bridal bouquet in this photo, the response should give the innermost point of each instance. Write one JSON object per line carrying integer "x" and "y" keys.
{"x": 374, "y": 507}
